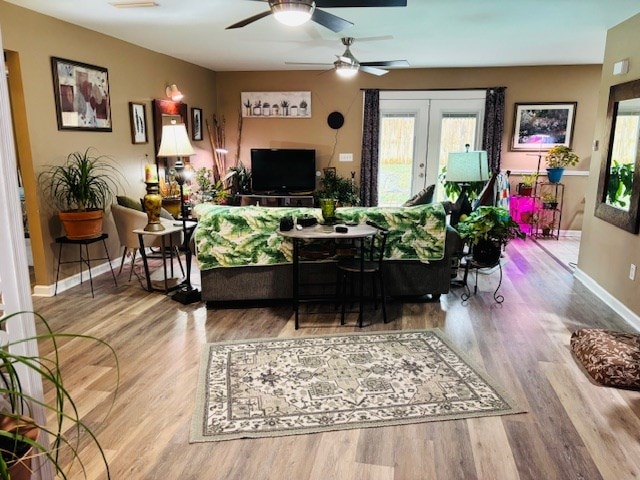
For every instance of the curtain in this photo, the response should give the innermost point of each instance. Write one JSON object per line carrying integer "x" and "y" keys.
{"x": 370, "y": 141}
{"x": 494, "y": 126}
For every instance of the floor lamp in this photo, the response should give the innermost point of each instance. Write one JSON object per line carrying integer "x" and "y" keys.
{"x": 175, "y": 143}
{"x": 464, "y": 168}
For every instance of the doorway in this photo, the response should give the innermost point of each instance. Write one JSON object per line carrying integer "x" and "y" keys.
{"x": 418, "y": 130}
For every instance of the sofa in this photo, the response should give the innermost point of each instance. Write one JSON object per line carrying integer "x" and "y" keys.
{"x": 241, "y": 256}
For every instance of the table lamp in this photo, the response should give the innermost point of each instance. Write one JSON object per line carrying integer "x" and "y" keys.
{"x": 464, "y": 168}
{"x": 175, "y": 143}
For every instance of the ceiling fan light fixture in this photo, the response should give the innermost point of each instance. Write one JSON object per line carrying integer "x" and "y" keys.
{"x": 293, "y": 13}
{"x": 345, "y": 70}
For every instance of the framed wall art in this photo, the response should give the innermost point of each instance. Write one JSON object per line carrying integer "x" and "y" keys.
{"x": 540, "y": 126}
{"x": 138, "y": 119}
{"x": 196, "y": 124}
{"x": 276, "y": 104}
{"x": 82, "y": 95}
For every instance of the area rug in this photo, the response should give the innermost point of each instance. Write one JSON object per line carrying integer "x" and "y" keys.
{"x": 275, "y": 387}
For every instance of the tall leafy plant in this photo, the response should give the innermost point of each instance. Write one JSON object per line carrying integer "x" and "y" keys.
{"x": 342, "y": 189}
{"x": 16, "y": 405}
{"x": 84, "y": 182}
{"x": 620, "y": 184}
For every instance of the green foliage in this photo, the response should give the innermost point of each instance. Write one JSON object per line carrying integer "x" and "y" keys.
{"x": 203, "y": 179}
{"x": 560, "y": 157}
{"x": 68, "y": 434}
{"x": 241, "y": 181}
{"x": 83, "y": 182}
{"x": 452, "y": 189}
{"x": 549, "y": 198}
{"x": 529, "y": 180}
{"x": 620, "y": 184}
{"x": 489, "y": 223}
{"x": 342, "y": 189}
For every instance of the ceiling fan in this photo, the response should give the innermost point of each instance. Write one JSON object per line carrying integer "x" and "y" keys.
{"x": 348, "y": 66}
{"x": 297, "y": 12}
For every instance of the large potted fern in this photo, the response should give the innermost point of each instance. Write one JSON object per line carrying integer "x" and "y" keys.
{"x": 82, "y": 188}
{"x": 22, "y": 439}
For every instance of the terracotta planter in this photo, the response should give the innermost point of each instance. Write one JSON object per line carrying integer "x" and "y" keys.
{"x": 21, "y": 468}
{"x": 82, "y": 225}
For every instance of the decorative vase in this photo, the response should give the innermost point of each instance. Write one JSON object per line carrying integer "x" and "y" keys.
{"x": 82, "y": 225}
{"x": 487, "y": 252}
{"x": 555, "y": 174}
{"x": 152, "y": 202}
{"x": 328, "y": 207}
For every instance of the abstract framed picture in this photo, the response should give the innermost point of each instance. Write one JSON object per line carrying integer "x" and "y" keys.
{"x": 196, "y": 124}
{"x": 276, "y": 104}
{"x": 138, "y": 119}
{"x": 82, "y": 96}
{"x": 540, "y": 126}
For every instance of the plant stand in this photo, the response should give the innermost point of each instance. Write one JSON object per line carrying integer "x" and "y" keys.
{"x": 470, "y": 263}
{"x": 547, "y": 223}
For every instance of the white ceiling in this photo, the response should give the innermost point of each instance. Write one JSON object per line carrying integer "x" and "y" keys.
{"x": 427, "y": 33}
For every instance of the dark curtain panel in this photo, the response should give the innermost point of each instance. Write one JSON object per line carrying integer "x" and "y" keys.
{"x": 494, "y": 126}
{"x": 370, "y": 139}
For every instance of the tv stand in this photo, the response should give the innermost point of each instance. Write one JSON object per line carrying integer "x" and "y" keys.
{"x": 277, "y": 200}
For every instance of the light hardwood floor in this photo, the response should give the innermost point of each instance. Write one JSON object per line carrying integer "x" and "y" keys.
{"x": 573, "y": 429}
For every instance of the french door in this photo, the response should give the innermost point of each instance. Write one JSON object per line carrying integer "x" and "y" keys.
{"x": 418, "y": 129}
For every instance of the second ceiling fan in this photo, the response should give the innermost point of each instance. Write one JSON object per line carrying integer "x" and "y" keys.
{"x": 297, "y": 12}
{"x": 348, "y": 66}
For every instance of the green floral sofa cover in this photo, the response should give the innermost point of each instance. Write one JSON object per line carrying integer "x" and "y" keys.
{"x": 242, "y": 236}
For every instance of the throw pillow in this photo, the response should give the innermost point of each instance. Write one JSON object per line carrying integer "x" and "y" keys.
{"x": 128, "y": 202}
{"x": 424, "y": 196}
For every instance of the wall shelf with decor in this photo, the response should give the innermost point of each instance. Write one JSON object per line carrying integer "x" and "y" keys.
{"x": 548, "y": 211}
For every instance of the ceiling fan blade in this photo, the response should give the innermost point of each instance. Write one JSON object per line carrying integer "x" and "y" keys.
{"x": 306, "y": 63}
{"x": 249, "y": 20}
{"x": 330, "y": 21}
{"x": 387, "y": 63}
{"x": 373, "y": 71}
{"x": 360, "y": 3}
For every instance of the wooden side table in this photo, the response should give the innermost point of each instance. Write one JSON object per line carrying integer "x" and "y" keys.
{"x": 83, "y": 258}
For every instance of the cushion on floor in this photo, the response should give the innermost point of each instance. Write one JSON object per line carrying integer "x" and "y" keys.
{"x": 611, "y": 358}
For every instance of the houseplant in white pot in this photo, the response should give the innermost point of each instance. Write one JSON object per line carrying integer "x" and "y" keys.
{"x": 22, "y": 437}
{"x": 82, "y": 188}
{"x": 558, "y": 158}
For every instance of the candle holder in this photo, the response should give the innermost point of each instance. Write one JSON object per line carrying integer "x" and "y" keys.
{"x": 152, "y": 203}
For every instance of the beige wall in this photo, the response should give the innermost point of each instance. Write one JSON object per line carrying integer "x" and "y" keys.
{"x": 607, "y": 251}
{"x": 329, "y": 93}
{"x": 135, "y": 74}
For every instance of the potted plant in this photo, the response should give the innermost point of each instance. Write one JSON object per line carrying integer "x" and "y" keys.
{"x": 525, "y": 187}
{"x": 549, "y": 201}
{"x": 20, "y": 434}
{"x": 82, "y": 188}
{"x": 557, "y": 159}
{"x": 342, "y": 190}
{"x": 488, "y": 229}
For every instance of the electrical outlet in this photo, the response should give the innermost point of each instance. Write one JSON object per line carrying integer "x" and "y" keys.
{"x": 632, "y": 272}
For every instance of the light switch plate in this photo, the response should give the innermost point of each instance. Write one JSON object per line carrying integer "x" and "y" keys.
{"x": 346, "y": 157}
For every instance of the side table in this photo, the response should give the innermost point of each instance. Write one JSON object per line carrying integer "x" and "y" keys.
{"x": 83, "y": 259}
{"x": 470, "y": 263}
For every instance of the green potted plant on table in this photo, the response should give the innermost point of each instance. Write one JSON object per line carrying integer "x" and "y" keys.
{"x": 82, "y": 188}
{"x": 488, "y": 229}
{"x": 557, "y": 159}
{"x": 22, "y": 438}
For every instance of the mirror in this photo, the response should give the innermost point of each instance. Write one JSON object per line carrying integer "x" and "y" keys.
{"x": 619, "y": 181}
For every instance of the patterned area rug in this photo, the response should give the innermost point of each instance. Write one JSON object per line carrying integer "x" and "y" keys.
{"x": 274, "y": 387}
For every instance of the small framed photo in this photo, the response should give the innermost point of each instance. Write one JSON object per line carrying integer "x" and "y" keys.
{"x": 196, "y": 124}
{"x": 540, "y": 126}
{"x": 138, "y": 119}
{"x": 81, "y": 94}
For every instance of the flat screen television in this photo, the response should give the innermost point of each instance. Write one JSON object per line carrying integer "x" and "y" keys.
{"x": 283, "y": 170}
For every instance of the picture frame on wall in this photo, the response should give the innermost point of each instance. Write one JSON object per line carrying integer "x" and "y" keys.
{"x": 138, "y": 119}
{"x": 540, "y": 126}
{"x": 275, "y": 104}
{"x": 81, "y": 94}
{"x": 196, "y": 124}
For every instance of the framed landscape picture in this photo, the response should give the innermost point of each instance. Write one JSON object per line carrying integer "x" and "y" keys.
{"x": 540, "y": 126}
{"x": 81, "y": 94}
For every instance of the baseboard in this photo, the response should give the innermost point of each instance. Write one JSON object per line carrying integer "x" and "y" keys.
{"x": 620, "y": 308}
{"x": 74, "y": 280}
